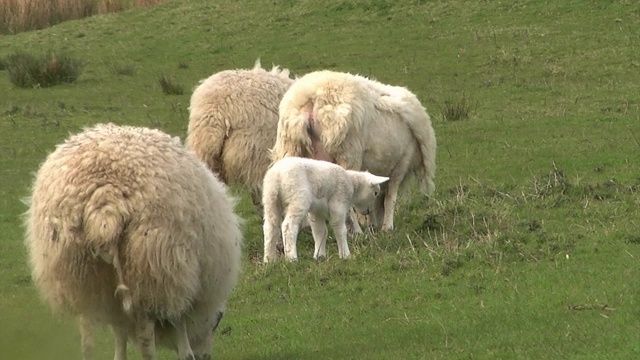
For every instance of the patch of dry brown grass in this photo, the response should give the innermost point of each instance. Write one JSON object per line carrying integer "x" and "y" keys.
{"x": 24, "y": 15}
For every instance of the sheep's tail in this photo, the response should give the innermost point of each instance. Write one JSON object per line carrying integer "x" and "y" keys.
{"x": 407, "y": 105}
{"x": 340, "y": 110}
{"x": 206, "y": 137}
{"x": 293, "y": 135}
{"x": 122, "y": 290}
{"x": 318, "y": 116}
{"x": 105, "y": 218}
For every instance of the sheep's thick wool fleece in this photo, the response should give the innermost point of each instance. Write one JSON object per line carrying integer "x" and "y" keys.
{"x": 138, "y": 191}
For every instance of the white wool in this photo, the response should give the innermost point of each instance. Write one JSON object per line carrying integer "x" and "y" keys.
{"x": 233, "y": 119}
{"x": 359, "y": 124}
{"x": 126, "y": 227}
{"x": 294, "y": 187}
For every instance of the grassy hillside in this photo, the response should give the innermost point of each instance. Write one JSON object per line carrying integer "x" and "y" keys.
{"x": 530, "y": 247}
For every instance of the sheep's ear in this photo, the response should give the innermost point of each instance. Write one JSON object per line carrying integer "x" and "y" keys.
{"x": 376, "y": 180}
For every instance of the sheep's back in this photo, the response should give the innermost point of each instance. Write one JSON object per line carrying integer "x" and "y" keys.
{"x": 233, "y": 121}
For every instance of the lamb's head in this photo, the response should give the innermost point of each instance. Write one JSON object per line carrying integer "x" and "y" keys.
{"x": 366, "y": 189}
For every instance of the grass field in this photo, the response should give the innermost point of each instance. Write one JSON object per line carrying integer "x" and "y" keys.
{"x": 530, "y": 248}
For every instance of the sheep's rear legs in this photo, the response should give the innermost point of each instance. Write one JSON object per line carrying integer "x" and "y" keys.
{"x": 87, "y": 335}
{"x": 352, "y": 223}
{"x": 145, "y": 336}
{"x": 390, "y": 199}
{"x": 182, "y": 340}
{"x": 121, "y": 337}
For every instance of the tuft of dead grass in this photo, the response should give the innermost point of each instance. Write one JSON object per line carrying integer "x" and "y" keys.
{"x": 456, "y": 109}
{"x": 170, "y": 86}
{"x": 25, "y": 15}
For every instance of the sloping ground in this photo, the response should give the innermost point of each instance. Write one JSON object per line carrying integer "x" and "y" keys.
{"x": 26, "y": 15}
{"x": 528, "y": 249}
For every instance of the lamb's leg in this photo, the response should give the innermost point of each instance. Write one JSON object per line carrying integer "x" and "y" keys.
{"x": 290, "y": 229}
{"x": 182, "y": 341}
{"x": 145, "y": 336}
{"x": 354, "y": 162}
{"x": 257, "y": 204}
{"x": 271, "y": 230}
{"x": 293, "y": 219}
{"x": 88, "y": 341}
{"x": 256, "y": 199}
{"x": 338, "y": 223}
{"x": 319, "y": 231}
{"x": 121, "y": 343}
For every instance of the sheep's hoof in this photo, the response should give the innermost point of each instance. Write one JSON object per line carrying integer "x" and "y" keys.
{"x": 203, "y": 357}
{"x": 321, "y": 258}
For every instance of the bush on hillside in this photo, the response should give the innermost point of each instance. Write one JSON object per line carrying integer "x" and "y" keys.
{"x": 27, "y": 70}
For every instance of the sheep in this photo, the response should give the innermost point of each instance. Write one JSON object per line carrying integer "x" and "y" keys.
{"x": 233, "y": 122}
{"x": 360, "y": 124}
{"x": 126, "y": 227}
{"x": 295, "y": 187}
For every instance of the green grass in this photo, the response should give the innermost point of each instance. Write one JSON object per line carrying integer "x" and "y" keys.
{"x": 530, "y": 247}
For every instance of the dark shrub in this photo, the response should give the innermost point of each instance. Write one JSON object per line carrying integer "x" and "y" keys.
{"x": 27, "y": 70}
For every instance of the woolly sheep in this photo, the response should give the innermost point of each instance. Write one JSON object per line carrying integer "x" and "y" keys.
{"x": 294, "y": 187}
{"x": 126, "y": 227}
{"x": 360, "y": 124}
{"x": 233, "y": 122}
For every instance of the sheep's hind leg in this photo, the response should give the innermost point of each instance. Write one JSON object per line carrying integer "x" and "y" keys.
{"x": 374, "y": 220}
{"x": 87, "y": 335}
{"x": 352, "y": 223}
{"x": 121, "y": 343}
{"x": 145, "y": 336}
{"x": 390, "y": 199}
{"x": 182, "y": 340}
{"x": 256, "y": 199}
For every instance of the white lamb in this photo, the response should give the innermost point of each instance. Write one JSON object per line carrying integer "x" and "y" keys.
{"x": 233, "y": 119}
{"x": 126, "y": 227}
{"x": 296, "y": 186}
{"x": 360, "y": 124}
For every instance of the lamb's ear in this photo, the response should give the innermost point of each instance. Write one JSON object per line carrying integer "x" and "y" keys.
{"x": 376, "y": 180}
